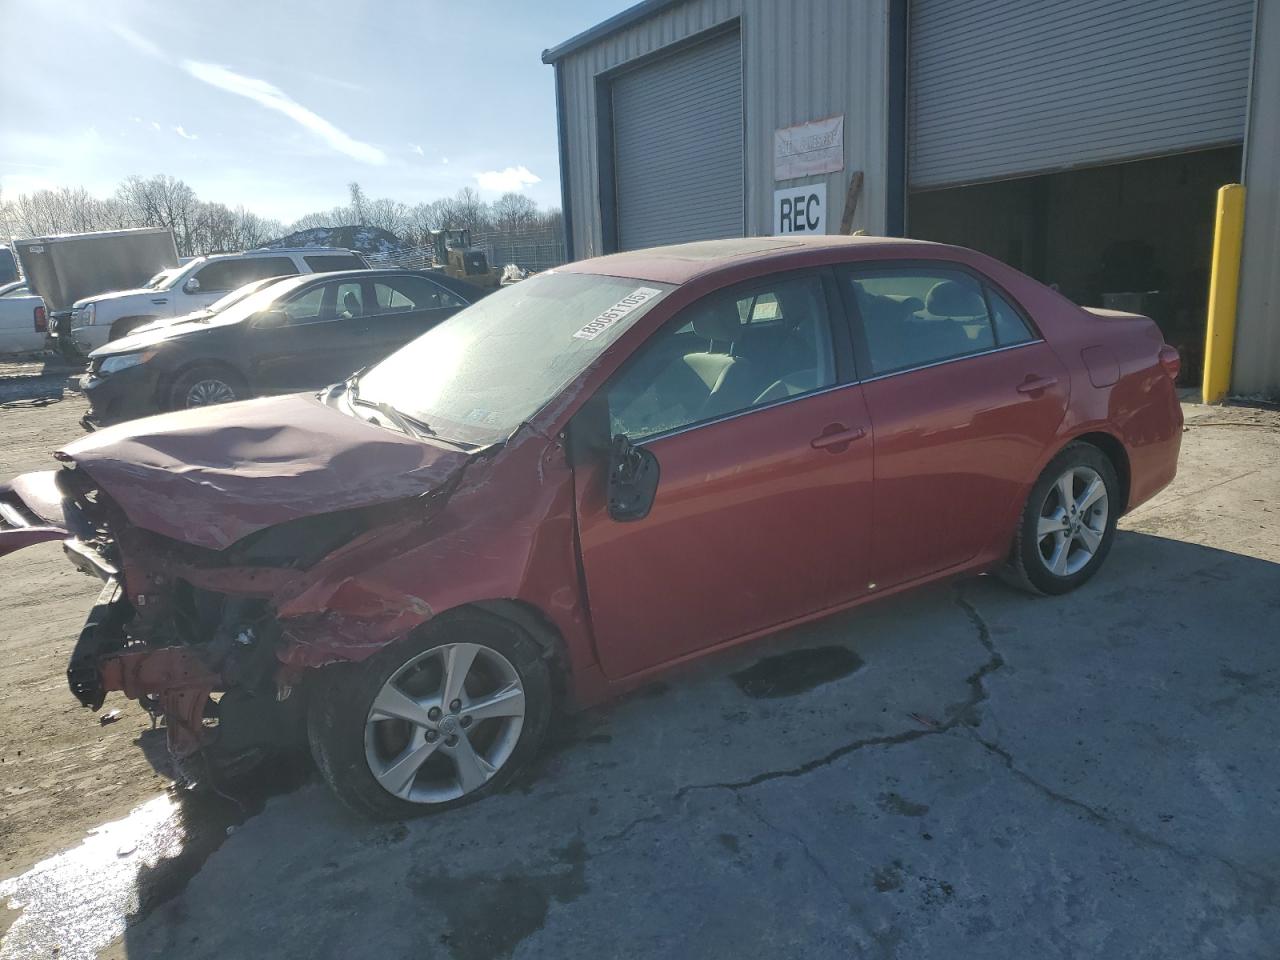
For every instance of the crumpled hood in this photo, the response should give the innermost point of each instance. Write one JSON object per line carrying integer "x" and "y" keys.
{"x": 211, "y": 476}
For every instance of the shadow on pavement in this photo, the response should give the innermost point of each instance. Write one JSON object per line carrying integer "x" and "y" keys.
{"x": 981, "y": 773}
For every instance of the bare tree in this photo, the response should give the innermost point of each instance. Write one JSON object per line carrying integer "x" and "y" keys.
{"x": 513, "y": 212}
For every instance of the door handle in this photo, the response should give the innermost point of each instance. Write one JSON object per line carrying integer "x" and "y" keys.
{"x": 1034, "y": 384}
{"x": 840, "y": 435}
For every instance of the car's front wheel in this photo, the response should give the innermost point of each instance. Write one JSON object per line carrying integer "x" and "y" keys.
{"x": 1068, "y": 523}
{"x": 205, "y": 386}
{"x": 433, "y": 721}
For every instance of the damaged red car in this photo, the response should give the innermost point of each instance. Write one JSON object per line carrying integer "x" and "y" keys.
{"x": 583, "y": 479}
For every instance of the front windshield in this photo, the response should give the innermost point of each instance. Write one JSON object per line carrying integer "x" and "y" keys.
{"x": 156, "y": 282}
{"x": 241, "y": 308}
{"x": 238, "y": 294}
{"x": 477, "y": 376}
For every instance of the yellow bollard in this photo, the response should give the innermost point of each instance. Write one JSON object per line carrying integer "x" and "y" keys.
{"x": 1224, "y": 283}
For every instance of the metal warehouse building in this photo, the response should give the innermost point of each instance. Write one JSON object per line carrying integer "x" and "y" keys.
{"x": 1082, "y": 142}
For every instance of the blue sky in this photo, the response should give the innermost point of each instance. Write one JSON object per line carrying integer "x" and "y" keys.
{"x": 278, "y": 105}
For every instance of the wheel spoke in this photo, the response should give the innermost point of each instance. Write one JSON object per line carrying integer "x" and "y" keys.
{"x": 1066, "y": 489}
{"x": 394, "y": 704}
{"x": 473, "y": 769}
{"x": 1061, "y": 547}
{"x": 507, "y": 702}
{"x": 1051, "y": 525}
{"x": 457, "y": 663}
{"x": 1089, "y": 538}
{"x": 1095, "y": 491}
{"x": 398, "y": 777}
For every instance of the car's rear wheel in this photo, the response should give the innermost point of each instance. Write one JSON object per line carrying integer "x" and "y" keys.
{"x": 1068, "y": 523}
{"x": 433, "y": 721}
{"x": 205, "y": 386}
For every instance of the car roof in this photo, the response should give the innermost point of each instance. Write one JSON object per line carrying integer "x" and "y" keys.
{"x": 683, "y": 262}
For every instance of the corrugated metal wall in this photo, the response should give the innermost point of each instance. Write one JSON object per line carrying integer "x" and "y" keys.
{"x": 1256, "y": 366}
{"x": 802, "y": 60}
{"x": 1002, "y": 88}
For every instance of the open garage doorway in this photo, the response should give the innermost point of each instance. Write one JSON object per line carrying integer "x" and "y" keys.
{"x": 1131, "y": 236}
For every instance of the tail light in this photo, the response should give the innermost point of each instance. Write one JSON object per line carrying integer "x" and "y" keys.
{"x": 40, "y": 319}
{"x": 1170, "y": 360}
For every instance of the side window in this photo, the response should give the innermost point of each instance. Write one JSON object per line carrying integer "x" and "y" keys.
{"x": 349, "y": 302}
{"x": 1010, "y": 327}
{"x": 327, "y": 262}
{"x": 714, "y": 359}
{"x": 263, "y": 267}
{"x": 225, "y": 275}
{"x": 397, "y": 294}
{"x": 916, "y": 316}
{"x": 308, "y": 306}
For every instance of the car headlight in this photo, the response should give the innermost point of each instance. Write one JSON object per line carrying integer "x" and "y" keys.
{"x": 124, "y": 361}
{"x": 85, "y": 316}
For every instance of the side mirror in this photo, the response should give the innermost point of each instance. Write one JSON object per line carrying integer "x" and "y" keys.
{"x": 270, "y": 319}
{"x": 633, "y": 480}
{"x": 191, "y": 286}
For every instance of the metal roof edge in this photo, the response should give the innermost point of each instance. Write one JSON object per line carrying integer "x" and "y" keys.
{"x": 619, "y": 21}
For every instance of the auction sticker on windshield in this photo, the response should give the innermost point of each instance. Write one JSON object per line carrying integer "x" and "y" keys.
{"x": 637, "y": 298}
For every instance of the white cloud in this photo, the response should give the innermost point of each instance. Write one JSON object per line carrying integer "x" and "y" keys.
{"x": 444, "y": 159}
{"x": 415, "y": 148}
{"x": 273, "y": 98}
{"x": 155, "y": 124}
{"x": 503, "y": 181}
{"x": 184, "y": 135}
{"x": 137, "y": 41}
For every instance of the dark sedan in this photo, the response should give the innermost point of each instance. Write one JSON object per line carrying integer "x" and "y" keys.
{"x": 296, "y": 334}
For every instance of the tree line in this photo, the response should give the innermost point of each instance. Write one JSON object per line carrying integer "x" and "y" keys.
{"x": 201, "y": 227}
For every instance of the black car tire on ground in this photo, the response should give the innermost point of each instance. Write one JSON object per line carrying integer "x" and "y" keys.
{"x": 180, "y": 392}
{"x": 1028, "y": 567}
{"x": 340, "y": 707}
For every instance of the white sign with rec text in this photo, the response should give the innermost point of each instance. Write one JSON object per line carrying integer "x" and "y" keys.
{"x": 809, "y": 149}
{"x": 801, "y": 210}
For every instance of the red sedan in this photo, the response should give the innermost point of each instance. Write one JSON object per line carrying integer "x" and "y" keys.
{"x": 586, "y": 478}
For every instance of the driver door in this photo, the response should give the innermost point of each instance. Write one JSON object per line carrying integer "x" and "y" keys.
{"x": 763, "y": 503}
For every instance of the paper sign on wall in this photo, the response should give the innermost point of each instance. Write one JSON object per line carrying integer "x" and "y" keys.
{"x": 809, "y": 149}
{"x": 800, "y": 210}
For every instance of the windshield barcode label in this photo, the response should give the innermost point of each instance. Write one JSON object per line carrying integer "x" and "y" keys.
{"x": 631, "y": 301}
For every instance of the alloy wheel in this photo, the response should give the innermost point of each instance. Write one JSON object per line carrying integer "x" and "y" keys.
{"x": 444, "y": 723}
{"x": 206, "y": 393}
{"x": 1073, "y": 521}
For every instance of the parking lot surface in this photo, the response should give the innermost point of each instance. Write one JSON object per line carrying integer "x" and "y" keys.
{"x": 961, "y": 772}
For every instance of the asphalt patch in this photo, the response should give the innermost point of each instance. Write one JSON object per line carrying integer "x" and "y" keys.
{"x": 796, "y": 671}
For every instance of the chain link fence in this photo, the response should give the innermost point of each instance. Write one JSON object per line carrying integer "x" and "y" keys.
{"x": 532, "y": 250}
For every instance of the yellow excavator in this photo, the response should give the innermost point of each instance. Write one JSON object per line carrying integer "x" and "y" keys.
{"x": 458, "y": 258}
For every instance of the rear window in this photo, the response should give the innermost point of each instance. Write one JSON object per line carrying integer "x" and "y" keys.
{"x": 324, "y": 263}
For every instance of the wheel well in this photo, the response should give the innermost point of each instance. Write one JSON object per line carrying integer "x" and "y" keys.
{"x": 1114, "y": 451}
{"x": 535, "y": 623}
{"x": 165, "y": 386}
{"x": 134, "y": 320}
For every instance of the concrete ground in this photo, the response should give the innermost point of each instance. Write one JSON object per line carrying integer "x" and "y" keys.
{"x": 963, "y": 772}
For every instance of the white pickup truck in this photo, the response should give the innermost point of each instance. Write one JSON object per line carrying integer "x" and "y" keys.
{"x": 182, "y": 290}
{"x": 23, "y": 323}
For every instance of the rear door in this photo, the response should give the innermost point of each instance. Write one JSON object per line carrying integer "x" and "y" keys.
{"x": 763, "y": 505}
{"x": 317, "y": 344}
{"x": 403, "y": 308}
{"x": 964, "y": 396}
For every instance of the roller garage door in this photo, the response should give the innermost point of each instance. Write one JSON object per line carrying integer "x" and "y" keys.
{"x": 677, "y": 129}
{"x": 1004, "y": 88}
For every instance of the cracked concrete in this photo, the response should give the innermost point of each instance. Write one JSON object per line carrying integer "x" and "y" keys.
{"x": 998, "y": 776}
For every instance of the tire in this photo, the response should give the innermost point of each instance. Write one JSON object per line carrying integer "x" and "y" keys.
{"x": 425, "y": 765}
{"x": 1084, "y": 536}
{"x": 211, "y": 381}
{"x": 125, "y": 326}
